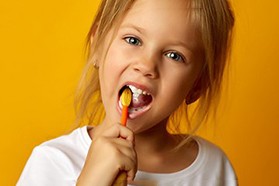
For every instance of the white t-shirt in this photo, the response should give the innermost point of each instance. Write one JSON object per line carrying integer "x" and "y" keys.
{"x": 58, "y": 162}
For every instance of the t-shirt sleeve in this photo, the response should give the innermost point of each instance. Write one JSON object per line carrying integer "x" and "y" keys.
{"x": 216, "y": 168}
{"x": 47, "y": 166}
{"x": 230, "y": 178}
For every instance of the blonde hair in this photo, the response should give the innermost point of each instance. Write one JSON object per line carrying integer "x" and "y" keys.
{"x": 215, "y": 23}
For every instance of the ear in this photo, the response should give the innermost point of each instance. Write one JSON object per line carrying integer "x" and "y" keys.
{"x": 195, "y": 93}
{"x": 198, "y": 87}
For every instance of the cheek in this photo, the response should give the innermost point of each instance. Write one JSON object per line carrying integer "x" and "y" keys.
{"x": 174, "y": 90}
{"x": 110, "y": 71}
{"x": 182, "y": 82}
{"x": 111, "y": 62}
{"x": 115, "y": 59}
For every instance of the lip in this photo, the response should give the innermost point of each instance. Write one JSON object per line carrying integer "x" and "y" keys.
{"x": 139, "y": 86}
{"x": 142, "y": 111}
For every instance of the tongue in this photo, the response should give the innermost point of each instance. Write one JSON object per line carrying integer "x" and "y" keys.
{"x": 141, "y": 101}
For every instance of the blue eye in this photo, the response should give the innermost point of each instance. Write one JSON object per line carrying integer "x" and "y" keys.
{"x": 132, "y": 41}
{"x": 175, "y": 56}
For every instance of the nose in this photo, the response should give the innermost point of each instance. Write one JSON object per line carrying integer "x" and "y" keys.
{"x": 147, "y": 66}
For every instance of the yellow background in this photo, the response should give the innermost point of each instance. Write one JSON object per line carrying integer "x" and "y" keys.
{"x": 41, "y": 58}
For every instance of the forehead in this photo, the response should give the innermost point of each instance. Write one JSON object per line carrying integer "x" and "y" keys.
{"x": 167, "y": 6}
{"x": 170, "y": 18}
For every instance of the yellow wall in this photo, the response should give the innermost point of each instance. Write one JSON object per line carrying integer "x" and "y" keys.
{"x": 41, "y": 57}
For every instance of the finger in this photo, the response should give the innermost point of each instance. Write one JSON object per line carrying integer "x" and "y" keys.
{"x": 125, "y": 147}
{"x": 124, "y": 154}
{"x": 132, "y": 173}
{"x": 126, "y": 133}
{"x": 130, "y": 167}
{"x": 117, "y": 131}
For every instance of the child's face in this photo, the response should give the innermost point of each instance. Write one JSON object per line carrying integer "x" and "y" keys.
{"x": 157, "y": 51}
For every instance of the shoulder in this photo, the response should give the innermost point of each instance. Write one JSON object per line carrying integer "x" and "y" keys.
{"x": 214, "y": 162}
{"x": 77, "y": 140}
{"x": 213, "y": 152}
{"x": 73, "y": 146}
{"x": 208, "y": 147}
{"x": 60, "y": 157}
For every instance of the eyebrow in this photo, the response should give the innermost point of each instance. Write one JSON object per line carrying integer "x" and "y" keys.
{"x": 184, "y": 45}
{"x": 137, "y": 28}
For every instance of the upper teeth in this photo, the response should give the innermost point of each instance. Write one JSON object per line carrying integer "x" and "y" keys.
{"x": 137, "y": 91}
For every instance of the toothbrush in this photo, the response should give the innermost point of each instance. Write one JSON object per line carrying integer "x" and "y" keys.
{"x": 125, "y": 99}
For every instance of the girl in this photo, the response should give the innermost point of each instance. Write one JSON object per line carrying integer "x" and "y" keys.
{"x": 170, "y": 53}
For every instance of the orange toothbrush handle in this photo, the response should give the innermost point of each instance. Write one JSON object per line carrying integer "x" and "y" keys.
{"x": 124, "y": 115}
{"x": 122, "y": 175}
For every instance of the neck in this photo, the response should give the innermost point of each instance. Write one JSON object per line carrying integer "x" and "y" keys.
{"x": 154, "y": 141}
{"x": 154, "y": 148}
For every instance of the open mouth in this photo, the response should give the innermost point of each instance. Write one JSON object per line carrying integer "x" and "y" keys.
{"x": 141, "y": 99}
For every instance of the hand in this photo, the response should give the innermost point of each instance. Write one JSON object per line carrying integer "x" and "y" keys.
{"x": 112, "y": 150}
